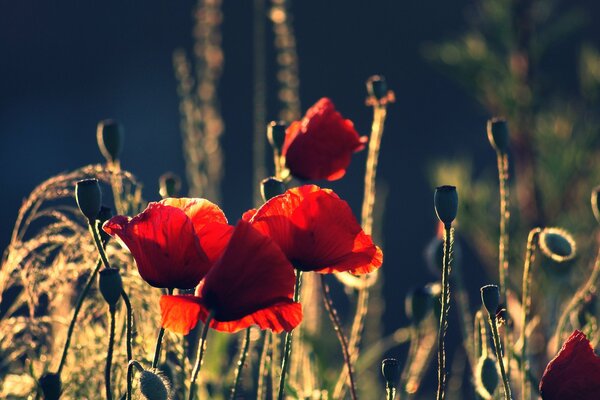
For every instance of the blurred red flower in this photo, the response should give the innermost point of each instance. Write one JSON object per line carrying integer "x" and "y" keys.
{"x": 321, "y": 144}
{"x": 317, "y": 231}
{"x": 175, "y": 241}
{"x": 574, "y": 373}
{"x": 252, "y": 283}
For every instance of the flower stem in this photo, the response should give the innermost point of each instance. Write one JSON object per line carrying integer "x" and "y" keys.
{"x": 109, "y": 353}
{"x": 337, "y": 326}
{"x": 95, "y": 231}
{"x": 287, "y": 350}
{"x": 130, "y": 366}
{"x": 263, "y": 369}
{"x": 199, "y": 355}
{"x": 241, "y": 362}
{"x": 526, "y": 304}
{"x": 498, "y": 346}
{"x": 78, "y": 305}
{"x": 448, "y": 244}
{"x": 390, "y": 392}
{"x": 159, "y": 339}
{"x": 129, "y": 336}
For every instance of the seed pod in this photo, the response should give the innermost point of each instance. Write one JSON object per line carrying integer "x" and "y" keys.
{"x": 154, "y": 386}
{"x": 490, "y": 297}
{"x": 498, "y": 134}
{"x": 486, "y": 377}
{"x": 169, "y": 184}
{"x": 276, "y": 134}
{"x": 557, "y": 244}
{"x": 390, "y": 369}
{"x": 89, "y": 198}
{"x": 110, "y": 136}
{"x": 377, "y": 87}
{"x": 111, "y": 286}
{"x": 445, "y": 201}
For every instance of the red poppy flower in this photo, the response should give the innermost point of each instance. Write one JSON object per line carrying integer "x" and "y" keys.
{"x": 574, "y": 373}
{"x": 317, "y": 231}
{"x": 252, "y": 283}
{"x": 175, "y": 241}
{"x": 321, "y": 144}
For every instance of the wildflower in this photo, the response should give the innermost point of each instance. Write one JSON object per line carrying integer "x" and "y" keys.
{"x": 574, "y": 373}
{"x": 174, "y": 241}
{"x": 321, "y": 144}
{"x": 252, "y": 283}
{"x": 317, "y": 232}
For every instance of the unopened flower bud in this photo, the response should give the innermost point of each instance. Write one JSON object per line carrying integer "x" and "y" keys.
{"x": 111, "y": 285}
{"x": 557, "y": 244}
{"x": 89, "y": 198}
{"x": 104, "y": 215}
{"x": 419, "y": 302}
{"x": 486, "y": 377}
{"x": 170, "y": 185}
{"x": 490, "y": 297}
{"x": 271, "y": 187}
{"x": 110, "y": 137}
{"x": 596, "y": 203}
{"x": 445, "y": 201}
{"x": 276, "y": 134}
{"x": 498, "y": 134}
{"x": 154, "y": 386}
{"x": 390, "y": 368}
{"x": 377, "y": 87}
{"x": 51, "y": 386}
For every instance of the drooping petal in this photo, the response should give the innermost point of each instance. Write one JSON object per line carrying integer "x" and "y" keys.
{"x": 181, "y": 313}
{"x": 200, "y": 211}
{"x": 574, "y": 373}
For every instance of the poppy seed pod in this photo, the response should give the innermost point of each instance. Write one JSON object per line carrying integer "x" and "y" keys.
{"x": 89, "y": 198}
{"x": 445, "y": 201}
{"x": 111, "y": 286}
{"x": 498, "y": 134}
{"x": 377, "y": 87}
{"x": 110, "y": 137}
{"x": 51, "y": 386}
{"x": 596, "y": 203}
{"x": 557, "y": 244}
{"x": 390, "y": 369}
{"x": 276, "y": 134}
{"x": 104, "y": 215}
{"x": 169, "y": 184}
{"x": 418, "y": 304}
{"x": 271, "y": 187}
{"x": 490, "y": 297}
{"x": 154, "y": 386}
{"x": 486, "y": 377}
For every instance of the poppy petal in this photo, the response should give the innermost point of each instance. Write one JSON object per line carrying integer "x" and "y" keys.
{"x": 201, "y": 211}
{"x": 180, "y": 314}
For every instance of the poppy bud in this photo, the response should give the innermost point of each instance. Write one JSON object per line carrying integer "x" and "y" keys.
{"x": 154, "y": 386}
{"x": 276, "y": 134}
{"x": 418, "y": 304}
{"x": 498, "y": 134}
{"x": 486, "y": 377}
{"x": 51, "y": 386}
{"x": 110, "y": 137}
{"x": 596, "y": 203}
{"x": 390, "y": 368}
{"x": 104, "y": 215}
{"x": 445, "y": 201}
{"x": 490, "y": 297}
{"x": 111, "y": 286}
{"x": 170, "y": 185}
{"x": 89, "y": 198}
{"x": 557, "y": 244}
{"x": 271, "y": 187}
{"x": 377, "y": 87}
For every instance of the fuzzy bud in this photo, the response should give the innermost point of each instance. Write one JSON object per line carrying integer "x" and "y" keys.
{"x": 377, "y": 87}
{"x": 490, "y": 297}
{"x": 498, "y": 134}
{"x": 486, "y": 377}
{"x": 445, "y": 201}
{"x": 276, "y": 134}
{"x": 390, "y": 369}
{"x": 110, "y": 136}
{"x": 271, "y": 187}
{"x": 170, "y": 185}
{"x": 111, "y": 286}
{"x": 89, "y": 198}
{"x": 153, "y": 386}
{"x": 51, "y": 386}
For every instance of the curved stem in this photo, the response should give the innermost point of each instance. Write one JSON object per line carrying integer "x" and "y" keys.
{"x": 199, "y": 355}
{"x": 241, "y": 362}
{"x": 287, "y": 350}
{"x": 132, "y": 364}
{"x": 159, "y": 339}
{"x": 498, "y": 346}
{"x": 94, "y": 229}
{"x": 129, "y": 336}
{"x": 412, "y": 352}
{"x": 109, "y": 354}
{"x": 526, "y": 304}
{"x": 448, "y": 243}
{"x": 337, "y": 326}
{"x": 78, "y": 305}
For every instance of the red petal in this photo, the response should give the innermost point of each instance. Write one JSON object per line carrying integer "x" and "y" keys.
{"x": 247, "y": 216}
{"x": 201, "y": 211}
{"x": 574, "y": 373}
{"x": 164, "y": 244}
{"x": 180, "y": 314}
{"x": 214, "y": 238}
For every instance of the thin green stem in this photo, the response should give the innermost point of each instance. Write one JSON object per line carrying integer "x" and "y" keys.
{"x": 159, "y": 340}
{"x": 526, "y": 304}
{"x": 287, "y": 350}
{"x": 337, "y": 327}
{"x": 199, "y": 355}
{"x": 390, "y": 392}
{"x": 263, "y": 369}
{"x": 241, "y": 363}
{"x": 86, "y": 288}
{"x": 132, "y": 364}
{"x": 109, "y": 353}
{"x": 448, "y": 244}
{"x": 412, "y": 352}
{"x": 129, "y": 339}
{"x": 95, "y": 231}
{"x": 498, "y": 347}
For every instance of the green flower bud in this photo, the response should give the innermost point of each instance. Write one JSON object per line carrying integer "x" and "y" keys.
{"x": 486, "y": 377}
{"x": 377, "y": 87}
{"x": 418, "y": 303}
{"x": 557, "y": 244}
{"x": 154, "y": 386}
{"x": 498, "y": 134}
{"x": 110, "y": 137}
{"x": 51, "y": 386}
{"x": 445, "y": 201}
{"x": 170, "y": 185}
{"x": 390, "y": 368}
{"x": 490, "y": 297}
{"x": 271, "y": 187}
{"x": 276, "y": 134}
{"x": 111, "y": 285}
{"x": 89, "y": 198}
{"x": 596, "y": 203}
{"x": 104, "y": 215}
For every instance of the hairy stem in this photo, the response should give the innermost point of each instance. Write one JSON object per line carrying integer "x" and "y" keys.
{"x": 241, "y": 363}
{"x": 109, "y": 353}
{"x": 287, "y": 351}
{"x": 263, "y": 369}
{"x": 448, "y": 243}
{"x": 95, "y": 231}
{"x": 129, "y": 339}
{"x": 159, "y": 339}
{"x": 199, "y": 355}
{"x": 132, "y": 364}
{"x": 498, "y": 347}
